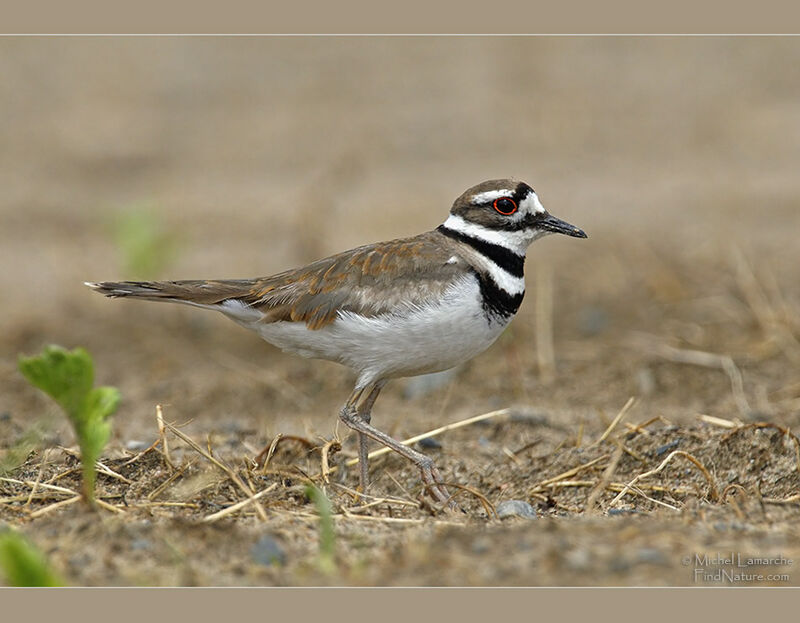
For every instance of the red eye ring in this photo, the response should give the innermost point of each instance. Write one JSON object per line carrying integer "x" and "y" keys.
{"x": 505, "y": 206}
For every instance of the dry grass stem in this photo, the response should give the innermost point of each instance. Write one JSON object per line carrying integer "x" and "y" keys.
{"x": 641, "y": 493}
{"x": 793, "y": 499}
{"x": 567, "y": 474}
{"x": 511, "y": 455}
{"x": 270, "y": 451}
{"x": 238, "y": 506}
{"x": 433, "y": 433}
{"x": 732, "y": 487}
{"x": 265, "y": 455}
{"x": 579, "y": 435}
{"x": 138, "y": 456}
{"x": 170, "y": 479}
{"x": 167, "y": 504}
{"x": 718, "y": 421}
{"x": 642, "y": 428}
{"x": 612, "y": 486}
{"x": 163, "y": 437}
{"x": 396, "y": 520}
{"x": 375, "y": 499}
{"x": 43, "y": 485}
{"x": 608, "y": 473}
{"x": 99, "y": 466}
{"x": 104, "y": 469}
{"x": 487, "y": 505}
{"x": 109, "y": 507}
{"x": 228, "y": 471}
{"x": 564, "y": 484}
{"x": 329, "y": 449}
{"x": 626, "y": 407}
{"x": 38, "y": 477}
{"x": 713, "y": 489}
{"x": 56, "y": 506}
{"x": 634, "y": 454}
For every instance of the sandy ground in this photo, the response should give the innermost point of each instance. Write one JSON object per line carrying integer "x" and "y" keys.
{"x": 678, "y": 156}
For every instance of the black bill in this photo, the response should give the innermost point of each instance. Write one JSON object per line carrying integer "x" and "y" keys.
{"x": 556, "y": 225}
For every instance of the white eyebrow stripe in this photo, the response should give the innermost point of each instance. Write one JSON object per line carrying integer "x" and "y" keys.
{"x": 491, "y": 195}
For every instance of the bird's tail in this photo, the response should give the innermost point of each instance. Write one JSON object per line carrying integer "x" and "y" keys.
{"x": 194, "y": 292}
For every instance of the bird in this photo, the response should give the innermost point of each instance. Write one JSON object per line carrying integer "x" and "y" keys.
{"x": 399, "y": 308}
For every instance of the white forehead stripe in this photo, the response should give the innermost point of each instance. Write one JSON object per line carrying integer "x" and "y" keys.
{"x": 531, "y": 204}
{"x": 491, "y": 195}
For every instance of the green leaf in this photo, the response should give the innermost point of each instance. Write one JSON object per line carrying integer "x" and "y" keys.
{"x": 23, "y": 564}
{"x": 67, "y": 377}
{"x": 327, "y": 536}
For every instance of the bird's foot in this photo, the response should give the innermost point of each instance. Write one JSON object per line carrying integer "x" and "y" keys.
{"x": 434, "y": 484}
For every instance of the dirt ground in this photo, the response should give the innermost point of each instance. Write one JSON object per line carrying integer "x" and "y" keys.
{"x": 679, "y": 158}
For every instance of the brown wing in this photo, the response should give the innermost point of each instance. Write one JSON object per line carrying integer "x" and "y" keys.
{"x": 370, "y": 280}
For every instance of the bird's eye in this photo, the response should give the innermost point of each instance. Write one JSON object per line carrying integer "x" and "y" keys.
{"x": 505, "y": 206}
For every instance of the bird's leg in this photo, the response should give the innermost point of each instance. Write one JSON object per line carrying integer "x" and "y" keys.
{"x": 364, "y": 411}
{"x": 430, "y": 475}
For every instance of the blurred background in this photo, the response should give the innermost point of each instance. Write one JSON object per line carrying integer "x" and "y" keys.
{"x": 197, "y": 157}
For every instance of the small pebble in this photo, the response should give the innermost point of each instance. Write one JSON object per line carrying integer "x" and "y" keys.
{"x": 429, "y": 442}
{"x": 612, "y": 512}
{"x": 667, "y": 447}
{"x": 515, "y": 508}
{"x": 267, "y": 551}
{"x": 134, "y": 445}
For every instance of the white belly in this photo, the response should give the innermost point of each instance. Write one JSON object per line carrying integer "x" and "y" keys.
{"x": 416, "y": 340}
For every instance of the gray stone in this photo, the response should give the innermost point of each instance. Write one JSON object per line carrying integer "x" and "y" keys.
{"x": 515, "y": 508}
{"x": 429, "y": 443}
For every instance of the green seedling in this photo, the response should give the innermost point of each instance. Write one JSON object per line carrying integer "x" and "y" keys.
{"x": 68, "y": 378}
{"x": 23, "y": 564}
{"x": 327, "y": 537}
{"x": 146, "y": 246}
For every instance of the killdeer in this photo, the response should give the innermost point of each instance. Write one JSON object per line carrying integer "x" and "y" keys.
{"x": 391, "y": 309}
